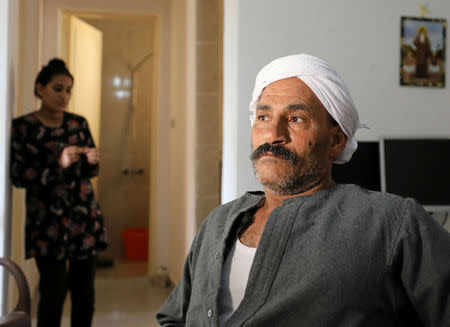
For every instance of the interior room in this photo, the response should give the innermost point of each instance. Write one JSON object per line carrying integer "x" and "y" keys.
{"x": 170, "y": 117}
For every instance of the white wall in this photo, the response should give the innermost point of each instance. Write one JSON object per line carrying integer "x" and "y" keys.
{"x": 159, "y": 233}
{"x": 23, "y": 58}
{"x": 19, "y": 36}
{"x": 4, "y": 118}
{"x": 361, "y": 39}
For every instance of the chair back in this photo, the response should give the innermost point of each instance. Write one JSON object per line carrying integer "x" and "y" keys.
{"x": 20, "y": 317}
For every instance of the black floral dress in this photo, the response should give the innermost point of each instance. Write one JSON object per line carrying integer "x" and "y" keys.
{"x": 63, "y": 219}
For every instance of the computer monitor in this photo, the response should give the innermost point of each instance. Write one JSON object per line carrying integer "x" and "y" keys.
{"x": 363, "y": 168}
{"x": 417, "y": 168}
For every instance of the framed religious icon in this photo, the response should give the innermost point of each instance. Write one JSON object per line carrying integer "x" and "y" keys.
{"x": 422, "y": 52}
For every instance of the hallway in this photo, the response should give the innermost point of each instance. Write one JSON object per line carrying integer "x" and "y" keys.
{"x": 124, "y": 297}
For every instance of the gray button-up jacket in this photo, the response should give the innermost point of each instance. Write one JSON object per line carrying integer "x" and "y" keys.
{"x": 341, "y": 257}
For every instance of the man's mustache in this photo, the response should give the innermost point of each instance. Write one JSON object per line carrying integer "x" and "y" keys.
{"x": 276, "y": 150}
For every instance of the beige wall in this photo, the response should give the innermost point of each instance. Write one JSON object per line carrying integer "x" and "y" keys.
{"x": 196, "y": 146}
{"x": 126, "y": 127}
{"x": 209, "y": 108}
{"x": 159, "y": 233}
{"x": 178, "y": 151}
{"x": 183, "y": 125}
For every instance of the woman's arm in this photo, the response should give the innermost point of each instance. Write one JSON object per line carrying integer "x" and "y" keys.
{"x": 27, "y": 165}
{"x": 91, "y": 164}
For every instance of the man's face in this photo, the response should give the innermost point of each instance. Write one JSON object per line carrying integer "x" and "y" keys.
{"x": 292, "y": 138}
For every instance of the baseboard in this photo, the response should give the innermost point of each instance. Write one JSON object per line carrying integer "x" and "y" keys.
{"x": 162, "y": 279}
{"x": 173, "y": 280}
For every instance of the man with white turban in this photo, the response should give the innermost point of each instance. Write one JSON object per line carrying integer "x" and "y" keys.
{"x": 308, "y": 251}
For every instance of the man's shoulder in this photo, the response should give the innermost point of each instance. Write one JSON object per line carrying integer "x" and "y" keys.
{"x": 221, "y": 218}
{"x": 225, "y": 213}
{"x": 244, "y": 202}
{"x": 356, "y": 191}
{"x": 357, "y": 198}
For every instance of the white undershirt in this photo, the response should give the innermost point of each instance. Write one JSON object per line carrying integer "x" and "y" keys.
{"x": 235, "y": 271}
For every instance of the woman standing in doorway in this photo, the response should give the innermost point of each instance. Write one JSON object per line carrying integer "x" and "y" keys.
{"x": 53, "y": 156}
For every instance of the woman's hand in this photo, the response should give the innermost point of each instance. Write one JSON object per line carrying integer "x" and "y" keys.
{"x": 92, "y": 155}
{"x": 70, "y": 155}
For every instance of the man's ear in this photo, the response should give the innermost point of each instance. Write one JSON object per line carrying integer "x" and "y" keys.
{"x": 338, "y": 142}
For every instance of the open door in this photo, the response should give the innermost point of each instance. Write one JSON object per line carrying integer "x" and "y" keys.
{"x": 84, "y": 51}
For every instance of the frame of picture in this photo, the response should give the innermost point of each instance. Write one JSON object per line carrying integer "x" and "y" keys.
{"x": 423, "y": 52}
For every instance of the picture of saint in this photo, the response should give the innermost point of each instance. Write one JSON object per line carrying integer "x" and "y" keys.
{"x": 422, "y": 52}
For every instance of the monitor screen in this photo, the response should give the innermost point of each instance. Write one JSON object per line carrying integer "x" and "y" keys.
{"x": 363, "y": 169}
{"x": 418, "y": 168}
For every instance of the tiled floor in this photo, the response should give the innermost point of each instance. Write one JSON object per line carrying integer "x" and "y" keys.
{"x": 124, "y": 297}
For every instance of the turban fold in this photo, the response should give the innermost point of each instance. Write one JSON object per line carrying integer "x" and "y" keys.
{"x": 326, "y": 84}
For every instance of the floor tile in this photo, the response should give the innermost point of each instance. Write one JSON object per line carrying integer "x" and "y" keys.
{"x": 124, "y": 297}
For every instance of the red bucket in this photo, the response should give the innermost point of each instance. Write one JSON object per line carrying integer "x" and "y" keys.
{"x": 136, "y": 243}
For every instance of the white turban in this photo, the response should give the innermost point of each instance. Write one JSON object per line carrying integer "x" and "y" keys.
{"x": 326, "y": 84}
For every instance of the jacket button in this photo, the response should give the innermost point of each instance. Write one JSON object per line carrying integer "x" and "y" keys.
{"x": 210, "y": 313}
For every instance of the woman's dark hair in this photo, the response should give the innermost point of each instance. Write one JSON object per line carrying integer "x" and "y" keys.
{"x": 54, "y": 67}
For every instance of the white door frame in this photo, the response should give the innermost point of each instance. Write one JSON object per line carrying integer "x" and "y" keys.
{"x": 5, "y": 118}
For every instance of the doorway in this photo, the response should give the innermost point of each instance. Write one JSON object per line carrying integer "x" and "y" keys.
{"x": 126, "y": 114}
